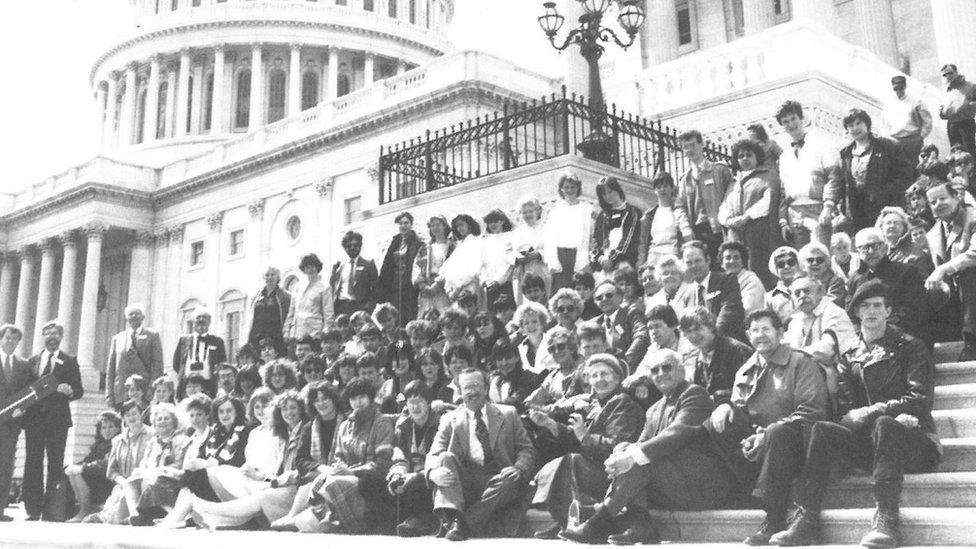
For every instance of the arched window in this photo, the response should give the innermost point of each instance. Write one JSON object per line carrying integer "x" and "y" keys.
{"x": 189, "y": 106}
{"x": 276, "y": 95}
{"x": 368, "y": 5}
{"x": 343, "y": 87}
{"x": 391, "y": 7}
{"x": 413, "y": 11}
{"x": 140, "y": 116}
{"x": 242, "y": 116}
{"x": 208, "y": 101}
{"x": 310, "y": 90}
{"x": 161, "y": 110}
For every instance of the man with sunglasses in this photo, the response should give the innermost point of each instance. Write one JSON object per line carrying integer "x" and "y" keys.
{"x": 626, "y": 328}
{"x": 666, "y": 468}
{"x": 819, "y": 327}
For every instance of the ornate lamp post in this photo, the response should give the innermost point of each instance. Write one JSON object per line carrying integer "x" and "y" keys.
{"x": 589, "y": 34}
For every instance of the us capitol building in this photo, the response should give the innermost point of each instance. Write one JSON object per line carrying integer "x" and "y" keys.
{"x": 238, "y": 134}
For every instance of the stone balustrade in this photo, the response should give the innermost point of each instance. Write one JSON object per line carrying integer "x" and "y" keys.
{"x": 98, "y": 170}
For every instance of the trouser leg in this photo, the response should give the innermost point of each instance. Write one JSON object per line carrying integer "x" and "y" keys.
{"x": 33, "y": 484}
{"x": 8, "y": 452}
{"x": 828, "y": 443}
{"x": 452, "y": 497}
{"x": 576, "y": 477}
{"x": 55, "y": 443}
{"x": 898, "y": 449}
{"x": 499, "y": 493}
{"x": 781, "y": 464}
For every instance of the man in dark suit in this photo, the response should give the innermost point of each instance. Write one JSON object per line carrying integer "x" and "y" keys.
{"x": 626, "y": 328}
{"x": 135, "y": 350}
{"x": 718, "y": 358}
{"x": 15, "y": 374}
{"x": 480, "y": 463}
{"x": 199, "y": 352}
{"x": 353, "y": 281}
{"x": 716, "y": 291}
{"x": 46, "y": 423}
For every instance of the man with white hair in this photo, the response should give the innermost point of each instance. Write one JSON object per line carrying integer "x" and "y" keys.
{"x": 909, "y": 310}
{"x": 199, "y": 353}
{"x": 135, "y": 350}
{"x": 818, "y": 327}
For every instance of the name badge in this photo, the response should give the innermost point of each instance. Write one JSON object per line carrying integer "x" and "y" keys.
{"x": 712, "y": 295}
{"x": 708, "y": 181}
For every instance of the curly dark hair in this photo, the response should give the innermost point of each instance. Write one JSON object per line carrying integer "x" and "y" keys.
{"x": 747, "y": 145}
{"x": 358, "y": 387}
{"x": 474, "y": 229}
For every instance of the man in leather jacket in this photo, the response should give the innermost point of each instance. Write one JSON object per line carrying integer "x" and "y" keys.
{"x": 885, "y": 426}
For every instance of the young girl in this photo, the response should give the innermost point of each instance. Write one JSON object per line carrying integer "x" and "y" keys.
{"x": 88, "y": 480}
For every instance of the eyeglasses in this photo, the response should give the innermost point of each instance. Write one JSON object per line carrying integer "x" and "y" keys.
{"x": 565, "y": 308}
{"x": 801, "y": 291}
{"x": 661, "y": 369}
{"x": 786, "y": 262}
{"x": 307, "y": 371}
{"x": 816, "y": 260}
{"x": 556, "y": 347}
{"x": 869, "y": 247}
{"x": 601, "y": 297}
{"x": 484, "y": 322}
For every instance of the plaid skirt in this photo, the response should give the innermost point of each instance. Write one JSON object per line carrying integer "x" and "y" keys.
{"x": 339, "y": 501}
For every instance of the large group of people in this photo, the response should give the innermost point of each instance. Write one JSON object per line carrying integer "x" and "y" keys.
{"x": 763, "y": 323}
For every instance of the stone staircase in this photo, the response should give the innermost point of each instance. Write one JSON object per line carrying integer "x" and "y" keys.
{"x": 938, "y": 508}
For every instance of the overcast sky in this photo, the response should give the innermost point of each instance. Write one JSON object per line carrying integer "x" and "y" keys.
{"x": 50, "y": 46}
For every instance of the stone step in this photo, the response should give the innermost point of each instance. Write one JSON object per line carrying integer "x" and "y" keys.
{"x": 928, "y": 526}
{"x": 919, "y": 490}
{"x": 959, "y": 455}
{"x": 954, "y": 373}
{"x": 947, "y": 351}
{"x": 955, "y": 397}
{"x": 955, "y": 423}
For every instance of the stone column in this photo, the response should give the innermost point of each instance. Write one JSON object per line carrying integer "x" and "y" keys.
{"x": 110, "y": 106}
{"x": 159, "y": 279}
{"x": 24, "y": 292}
{"x": 45, "y": 290}
{"x": 196, "y": 104}
{"x": 213, "y": 250}
{"x": 139, "y": 268}
{"x": 256, "y": 117}
{"x": 295, "y": 80}
{"x": 171, "y": 76}
{"x": 182, "y": 94}
{"x": 369, "y": 69}
{"x": 217, "y": 114}
{"x": 6, "y": 285}
{"x": 332, "y": 77}
{"x": 127, "y": 119}
{"x": 174, "y": 276}
{"x": 955, "y": 39}
{"x": 94, "y": 232}
{"x": 100, "y": 109}
{"x": 757, "y": 15}
{"x": 877, "y": 23}
{"x": 66, "y": 299}
{"x": 819, "y": 12}
{"x": 658, "y": 34}
{"x": 152, "y": 101}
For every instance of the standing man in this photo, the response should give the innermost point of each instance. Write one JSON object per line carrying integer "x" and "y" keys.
{"x": 268, "y": 311}
{"x": 701, "y": 190}
{"x": 353, "y": 280}
{"x": 958, "y": 109}
{"x": 906, "y": 119}
{"x": 716, "y": 291}
{"x": 15, "y": 374}
{"x": 136, "y": 350}
{"x": 808, "y": 164}
{"x": 480, "y": 463}
{"x": 46, "y": 423}
{"x": 199, "y": 353}
{"x": 625, "y": 328}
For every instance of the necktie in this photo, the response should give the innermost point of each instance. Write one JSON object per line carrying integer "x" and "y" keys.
{"x": 797, "y": 145}
{"x": 7, "y": 368}
{"x": 47, "y": 368}
{"x": 701, "y": 295}
{"x": 481, "y": 432}
{"x": 352, "y": 273}
{"x": 945, "y": 244}
{"x": 132, "y": 340}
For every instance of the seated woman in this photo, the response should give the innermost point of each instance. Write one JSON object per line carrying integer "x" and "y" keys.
{"x": 406, "y": 482}
{"x": 279, "y": 376}
{"x": 88, "y": 481}
{"x": 151, "y": 489}
{"x": 266, "y": 485}
{"x": 840, "y": 253}
{"x": 432, "y": 373}
{"x": 390, "y": 396}
{"x": 589, "y": 438}
{"x": 893, "y": 222}
{"x": 675, "y": 292}
{"x": 560, "y": 382}
{"x": 348, "y": 496}
{"x": 509, "y": 383}
{"x": 128, "y": 449}
{"x": 735, "y": 260}
{"x": 198, "y": 409}
{"x": 815, "y": 257}
{"x": 163, "y": 390}
{"x": 784, "y": 262}
{"x": 137, "y": 389}
{"x": 532, "y": 319}
{"x": 629, "y": 285}
{"x": 486, "y": 333}
{"x": 248, "y": 379}
{"x": 420, "y": 333}
{"x": 342, "y": 371}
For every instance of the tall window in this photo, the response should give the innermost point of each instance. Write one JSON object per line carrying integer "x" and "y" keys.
{"x": 686, "y": 34}
{"x": 413, "y": 11}
{"x": 196, "y": 253}
{"x": 310, "y": 90}
{"x": 276, "y": 95}
{"x": 368, "y": 5}
{"x": 232, "y": 323}
{"x": 242, "y": 116}
{"x": 157, "y": 7}
{"x": 161, "y": 110}
{"x": 781, "y": 8}
{"x": 391, "y": 8}
{"x": 353, "y": 206}
{"x": 231, "y": 309}
{"x": 141, "y": 116}
{"x": 343, "y": 87}
{"x": 734, "y": 19}
{"x": 174, "y": 5}
{"x": 189, "y": 106}
{"x": 235, "y": 243}
{"x": 208, "y": 101}
{"x": 427, "y": 13}
{"x": 196, "y": 3}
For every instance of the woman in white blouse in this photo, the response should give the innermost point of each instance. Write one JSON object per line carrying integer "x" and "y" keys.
{"x": 426, "y": 273}
{"x": 498, "y": 256}
{"x": 460, "y": 271}
{"x": 311, "y": 306}
{"x": 566, "y": 243}
{"x": 261, "y": 454}
{"x": 528, "y": 242}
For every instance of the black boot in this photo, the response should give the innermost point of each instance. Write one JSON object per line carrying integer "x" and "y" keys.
{"x": 775, "y": 522}
{"x": 594, "y": 531}
{"x": 804, "y": 530}
{"x": 640, "y": 530}
{"x": 884, "y": 527}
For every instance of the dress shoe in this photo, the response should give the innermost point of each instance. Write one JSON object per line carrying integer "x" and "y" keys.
{"x": 804, "y": 529}
{"x": 140, "y": 520}
{"x": 415, "y": 527}
{"x": 549, "y": 533}
{"x": 5, "y": 518}
{"x": 640, "y": 530}
{"x": 457, "y": 531}
{"x": 766, "y": 531}
{"x": 594, "y": 531}
{"x": 33, "y": 518}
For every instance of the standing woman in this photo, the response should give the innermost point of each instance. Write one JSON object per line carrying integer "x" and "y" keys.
{"x": 396, "y": 274}
{"x": 269, "y": 309}
{"x": 311, "y": 308}
{"x": 750, "y": 209}
{"x": 460, "y": 271}
{"x": 616, "y": 233}
{"x": 528, "y": 243}
{"x": 498, "y": 257}
{"x": 426, "y": 273}
{"x": 771, "y": 149}
{"x": 566, "y": 246}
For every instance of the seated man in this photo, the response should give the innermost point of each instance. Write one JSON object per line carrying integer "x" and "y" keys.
{"x": 412, "y": 438}
{"x": 667, "y": 467}
{"x": 625, "y": 326}
{"x": 777, "y": 394}
{"x": 717, "y": 357}
{"x": 887, "y": 425}
{"x": 716, "y": 291}
{"x": 818, "y": 326}
{"x": 473, "y": 477}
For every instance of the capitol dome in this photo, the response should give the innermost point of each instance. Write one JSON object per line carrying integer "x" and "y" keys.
{"x": 196, "y": 72}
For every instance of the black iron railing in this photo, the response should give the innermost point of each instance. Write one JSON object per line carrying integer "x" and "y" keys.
{"x": 522, "y": 134}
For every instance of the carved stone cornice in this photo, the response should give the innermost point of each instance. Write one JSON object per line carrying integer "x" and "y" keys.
{"x": 256, "y": 208}
{"x": 324, "y": 187}
{"x": 47, "y": 246}
{"x": 91, "y": 191}
{"x": 95, "y": 230}
{"x": 215, "y": 220}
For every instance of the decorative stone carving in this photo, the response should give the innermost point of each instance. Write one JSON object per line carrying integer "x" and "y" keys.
{"x": 161, "y": 237}
{"x": 214, "y": 220}
{"x": 324, "y": 187}
{"x": 256, "y": 208}
{"x": 95, "y": 230}
{"x": 47, "y": 245}
{"x": 176, "y": 233}
{"x": 144, "y": 238}
{"x": 373, "y": 172}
